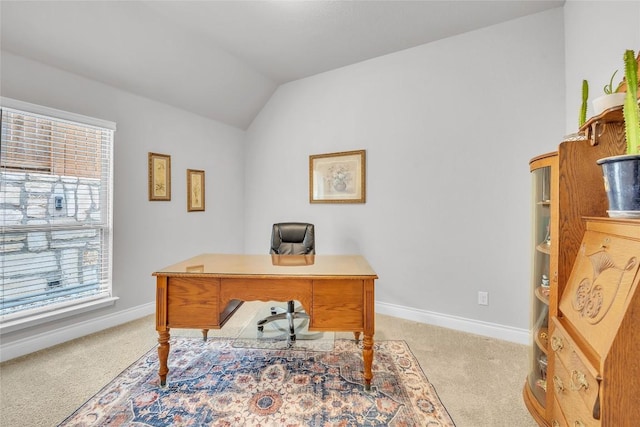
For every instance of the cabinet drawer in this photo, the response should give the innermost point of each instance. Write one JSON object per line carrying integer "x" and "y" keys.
{"x": 601, "y": 281}
{"x": 582, "y": 376}
{"x": 567, "y": 389}
{"x": 557, "y": 417}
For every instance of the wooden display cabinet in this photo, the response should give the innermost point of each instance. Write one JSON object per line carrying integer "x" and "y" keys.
{"x": 543, "y": 170}
{"x": 567, "y": 185}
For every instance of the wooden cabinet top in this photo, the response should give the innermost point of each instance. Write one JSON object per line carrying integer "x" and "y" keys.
{"x": 625, "y": 227}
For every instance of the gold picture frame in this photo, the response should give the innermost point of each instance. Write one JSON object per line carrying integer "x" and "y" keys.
{"x": 338, "y": 177}
{"x": 159, "y": 177}
{"x": 195, "y": 190}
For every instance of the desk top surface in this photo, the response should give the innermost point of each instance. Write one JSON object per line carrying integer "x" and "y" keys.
{"x": 212, "y": 265}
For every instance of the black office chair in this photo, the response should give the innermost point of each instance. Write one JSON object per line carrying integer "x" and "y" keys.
{"x": 290, "y": 238}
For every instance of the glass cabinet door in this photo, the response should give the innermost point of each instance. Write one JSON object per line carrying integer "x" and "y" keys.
{"x": 540, "y": 286}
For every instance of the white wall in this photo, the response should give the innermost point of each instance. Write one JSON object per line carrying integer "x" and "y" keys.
{"x": 596, "y": 35}
{"x": 449, "y": 128}
{"x": 148, "y": 235}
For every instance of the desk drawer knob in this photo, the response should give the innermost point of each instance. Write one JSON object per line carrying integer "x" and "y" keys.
{"x": 557, "y": 383}
{"x": 556, "y": 343}
{"x": 578, "y": 381}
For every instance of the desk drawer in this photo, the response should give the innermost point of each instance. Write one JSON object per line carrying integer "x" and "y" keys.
{"x": 338, "y": 305}
{"x": 193, "y": 303}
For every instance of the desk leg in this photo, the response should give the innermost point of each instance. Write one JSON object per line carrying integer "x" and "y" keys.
{"x": 367, "y": 356}
{"x": 163, "y": 355}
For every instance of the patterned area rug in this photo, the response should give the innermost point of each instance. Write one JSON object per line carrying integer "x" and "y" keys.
{"x": 215, "y": 384}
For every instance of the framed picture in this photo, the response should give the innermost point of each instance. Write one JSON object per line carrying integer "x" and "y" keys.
{"x": 159, "y": 176}
{"x": 337, "y": 177}
{"x": 195, "y": 190}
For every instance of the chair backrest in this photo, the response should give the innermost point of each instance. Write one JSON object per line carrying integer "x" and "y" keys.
{"x": 293, "y": 238}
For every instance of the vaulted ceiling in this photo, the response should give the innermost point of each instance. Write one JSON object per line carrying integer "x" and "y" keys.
{"x": 224, "y": 59}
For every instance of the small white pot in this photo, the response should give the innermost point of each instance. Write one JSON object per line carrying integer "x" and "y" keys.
{"x": 605, "y": 102}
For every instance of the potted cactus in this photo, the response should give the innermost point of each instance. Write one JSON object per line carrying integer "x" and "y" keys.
{"x": 583, "y": 107}
{"x": 622, "y": 173}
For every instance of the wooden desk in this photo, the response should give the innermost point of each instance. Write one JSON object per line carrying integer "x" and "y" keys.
{"x": 337, "y": 291}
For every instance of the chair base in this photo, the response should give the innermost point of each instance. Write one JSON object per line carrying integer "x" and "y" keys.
{"x": 290, "y": 314}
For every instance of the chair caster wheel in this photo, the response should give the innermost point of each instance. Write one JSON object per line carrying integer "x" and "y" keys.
{"x": 260, "y": 328}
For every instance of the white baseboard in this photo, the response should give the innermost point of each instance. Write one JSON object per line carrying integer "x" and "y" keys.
{"x": 493, "y": 330}
{"x": 43, "y": 340}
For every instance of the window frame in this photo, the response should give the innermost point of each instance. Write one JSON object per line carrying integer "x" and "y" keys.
{"x": 58, "y": 310}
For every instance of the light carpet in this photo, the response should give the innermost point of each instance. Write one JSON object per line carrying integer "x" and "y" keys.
{"x": 213, "y": 383}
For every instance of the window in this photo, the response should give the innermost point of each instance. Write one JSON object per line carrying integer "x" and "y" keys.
{"x": 55, "y": 212}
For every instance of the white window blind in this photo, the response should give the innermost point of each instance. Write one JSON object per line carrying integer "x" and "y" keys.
{"x": 55, "y": 210}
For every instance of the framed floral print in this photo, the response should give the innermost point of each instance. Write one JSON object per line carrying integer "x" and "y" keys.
{"x": 195, "y": 190}
{"x": 337, "y": 177}
{"x": 159, "y": 177}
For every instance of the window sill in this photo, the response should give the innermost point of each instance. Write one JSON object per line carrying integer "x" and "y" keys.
{"x": 49, "y": 316}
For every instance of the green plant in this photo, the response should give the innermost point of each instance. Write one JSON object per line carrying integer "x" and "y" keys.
{"x": 583, "y": 108}
{"x": 630, "y": 109}
{"x": 608, "y": 89}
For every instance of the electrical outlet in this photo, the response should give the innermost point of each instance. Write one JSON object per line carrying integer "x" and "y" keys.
{"x": 483, "y": 298}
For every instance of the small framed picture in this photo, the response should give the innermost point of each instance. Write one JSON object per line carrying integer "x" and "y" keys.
{"x": 159, "y": 177}
{"x": 337, "y": 177}
{"x": 195, "y": 190}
